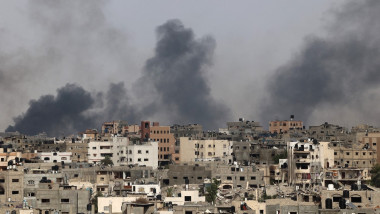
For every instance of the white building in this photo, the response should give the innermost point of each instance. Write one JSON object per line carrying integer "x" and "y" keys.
{"x": 121, "y": 153}
{"x": 55, "y": 157}
{"x": 144, "y": 154}
{"x": 150, "y": 189}
{"x": 112, "y": 147}
{"x": 186, "y": 196}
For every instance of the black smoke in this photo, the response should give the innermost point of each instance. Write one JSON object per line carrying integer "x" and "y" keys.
{"x": 74, "y": 109}
{"x": 332, "y": 73}
{"x": 56, "y": 115}
{"x": 176, "y": 77}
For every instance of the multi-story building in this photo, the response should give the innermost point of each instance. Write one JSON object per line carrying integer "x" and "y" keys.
{"x": 114, "y": 128}
{"x": 11, "y": 187}
{"x": 56, "y": 157}
{"x": 205, "y": 150}
{"x": 238, "y": 176}
{"x": 78, "y": 149}
{"x": 142, "y": 154}
{"x": 112, "y": 147}
{"x": 357, "y": 156}
{"x": 306, "y": 161}
{"x": 165, "y": 139}
{"x": 284, "y": 126}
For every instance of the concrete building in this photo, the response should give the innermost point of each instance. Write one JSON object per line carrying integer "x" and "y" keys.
{"x": 178, "y": 174}
{"x": 356, "y": 156}
{"x": 142, "y": 154}
{"x": 186, "y": 196}
{"x": 106, "y": 204}
{"x": 306, "y": 161}
{"x": 205, "y": 150}
{"x": 284, "y": 126}
{"x": 78, "y": 149}
{"x": 165, "y": 139}
{"x": 55, "y": 157}
{"x": 113, "y": 147}
{"x": 238, "y": 176}
{"x": 11, "y": 187}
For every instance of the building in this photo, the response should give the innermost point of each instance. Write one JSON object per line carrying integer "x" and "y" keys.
{"x": 284, "y": 126}
{"x": 205, "y": 150}
{"x": 56, "y": 157}
{"x": 114, "y": 147}
{"x": 142, "y": 154}
{"x": 307, "y": 160}
{"x": 161, "y": 134}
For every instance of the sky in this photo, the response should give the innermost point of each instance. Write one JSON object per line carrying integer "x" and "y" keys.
{"x": 239, "y": 59}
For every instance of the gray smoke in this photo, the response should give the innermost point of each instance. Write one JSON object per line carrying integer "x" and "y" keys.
{"x": 334, "y": 73}
{"x": 56, "y": 115}
{"x": 176, "y": 77}
{"x": 74, "y": 109}
{"x": 69, "y": 41}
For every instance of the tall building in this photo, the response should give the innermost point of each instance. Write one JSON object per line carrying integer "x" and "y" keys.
{"x": 164, "y": 137}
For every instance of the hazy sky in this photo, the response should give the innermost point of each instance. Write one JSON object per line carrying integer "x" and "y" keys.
{"x": 253, "y": 39}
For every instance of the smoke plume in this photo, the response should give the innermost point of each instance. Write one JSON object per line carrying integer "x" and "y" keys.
{"x": 176, "y": 77}
{"x": 332, "y": 75}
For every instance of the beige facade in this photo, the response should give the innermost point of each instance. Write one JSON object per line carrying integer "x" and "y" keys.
{"x": 204, "y": 150}
{"x": 11, "y": 187}
{"x": 354, "y": 157}
{"x": 373, "y": 140}
{"x": 79, "y": 150}
{"x": 284, "y": 126}
{"x": 166, "y": 141}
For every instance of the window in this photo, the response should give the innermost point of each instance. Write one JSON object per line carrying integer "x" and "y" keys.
{"x": 187, "y": 198}
{"x": 64, "y": 158}
{"x": 356, "y": 153}
{"x": 363, "y": 153}
{"x": 46, "y": 158}
{"x": 65, "y": 200}
{"x": 347, "y": 153}
{"x": 102, "y": 178}
{"x": 31, "y": 194}
{"x": 146, "y": 159}
{"x": 229, "y": 178}
{"x": 30, "y": 182}
{"x": 356, "y": 199}
{"x": 15, "y": 180}
{"x": 335, "y": 153}
{"x": 139, "y": 160}
{"x": 139, "y": 152}
{"x": 2, "y": 180}
{"x": 253, "y": 177}
{"x": 147, "y": 152}
{"x": 242, "y": 178}
{"x": 45, "y": 200}
{"x": 14, "y": 192}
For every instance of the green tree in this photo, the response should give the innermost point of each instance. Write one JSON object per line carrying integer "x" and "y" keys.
{"x": 169, "y": 192}
{"x": 277, "y": 157}
{"x": 94, "y": 200}
{"x": 211, "y": 191}
{"x": 375, "y": 175}
{"x": 106, "y": 161}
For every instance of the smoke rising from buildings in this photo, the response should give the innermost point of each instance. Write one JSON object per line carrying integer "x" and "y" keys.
{"x": 175, "y": 74}
{"x": 176, "y": 77}
{"x": 334, "y": 73}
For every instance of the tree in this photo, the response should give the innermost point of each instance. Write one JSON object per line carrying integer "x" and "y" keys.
{"x": 375, "y": 175}
{"x": 94, "y": 200}
{"x": 106, "y": 161}
{"x": 277, "y": 157}
{"x": 169, "y": 192}
{"x": 211, "y": 191}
